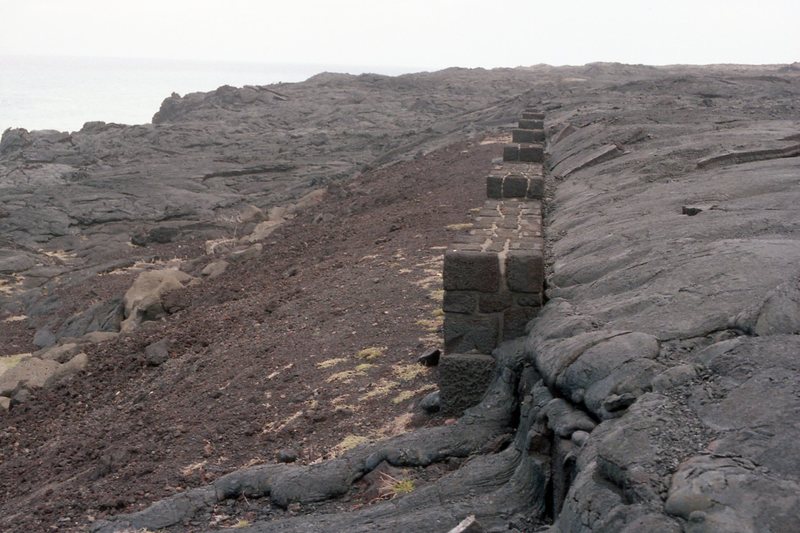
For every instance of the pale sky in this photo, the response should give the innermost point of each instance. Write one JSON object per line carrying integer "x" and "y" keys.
{"x": 426, "y": 34}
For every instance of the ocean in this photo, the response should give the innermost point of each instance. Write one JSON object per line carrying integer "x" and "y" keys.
{"x": 62, "y": 93}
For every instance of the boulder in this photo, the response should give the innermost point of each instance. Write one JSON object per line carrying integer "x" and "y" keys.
{"x": 157, "y": 354}
{"x": 31, "y": 372}
{"x": 143, "y": 300}
{"x": 44, "y": 338}
{"x": 214, "y": 269}
{"x": 60, "y": 353}
{"x": 104, "y": 316}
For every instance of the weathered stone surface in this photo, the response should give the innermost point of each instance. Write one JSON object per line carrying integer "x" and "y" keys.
{"x": 511, "y": 152}
{"x": 61, "y": 353}
{"x": 527, "y": 136}
{"x": 495, "y": 302}
{"x": 531, "y": 153}
{"x": 463, "y": 380}
{"x": 460, "y": 301}
{"x": 525, "y": 271}
{"x": 143, "y": 300}
{"x": 494, "y": 187}
{"x": 157, "y": 353}
{"x": 465, "y": 333}
{"x": 515, "y": 187}
{"x": 536, "y": 187}
{"x": 31, "y": 372}
{"x": 44, "y": 338}
{"x": 531, "y": 124}
{"x": 515, "y": 321}
{"x": 214, "y": 269}
{"x": 103, "y": 316}
{"x": 465, "y": 270}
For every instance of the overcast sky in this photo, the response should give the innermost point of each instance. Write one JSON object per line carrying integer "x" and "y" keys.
{"x": 408, "y": 33}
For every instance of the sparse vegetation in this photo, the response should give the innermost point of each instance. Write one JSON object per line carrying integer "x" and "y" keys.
{"x": 392, "y": 487}
{"x": 371, "y": 352}
{"x": 349, "y": 442}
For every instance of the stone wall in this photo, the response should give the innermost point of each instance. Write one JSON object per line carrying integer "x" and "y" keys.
{"x": 494, "y": 273}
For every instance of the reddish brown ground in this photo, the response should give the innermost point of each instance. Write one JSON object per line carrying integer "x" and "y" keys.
{"x": 264, "y": 358}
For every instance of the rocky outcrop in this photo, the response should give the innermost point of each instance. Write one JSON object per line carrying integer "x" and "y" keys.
{"x": 656, "y": 387}
{"x": 143, "y": 301}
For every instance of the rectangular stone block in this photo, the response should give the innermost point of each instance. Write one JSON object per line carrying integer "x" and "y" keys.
{"x": 466, "y": 270}
{"x": 531, "y": 124}
{"x": 467, "y": 333}
{"x": 511, "y": 152}
{"x": 533, "y": 153}
{"x": 515, "y": 187}
{"x": 460, "y": 302}
{"x": 527, "y": 136}
{"x": 495, "y": 303}
{"x": 463, "y": 381}
{"x": 515, "y": 320}
{"x": 525, "y": 271}
{"x": 536, "y": 187}
{"x": 532, "y": 115}
{"x": 494, "y": 187}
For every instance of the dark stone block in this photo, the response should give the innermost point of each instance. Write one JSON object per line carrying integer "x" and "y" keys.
{"x": 530, "y": 299}
{"x": 511, "y": 152}
{"x": 527, "y": 136}
{"x": 525, "y": 271}
{"x": 467, "y": 333}
{"x": 460, "y": 302}
{"x": 471, "y": 271}
{"x": 515, "y": 320}
{"x": 531, "y": 153}
{"x": 494, "y": 303}
{"x": 532, "y": 115}
{"x": 531, "y": 124}
{"x": 463, "y": 380}
{"x": 515, "y": 187}
{"x": 494, "y": 187}
{"x": 536, "y": 188}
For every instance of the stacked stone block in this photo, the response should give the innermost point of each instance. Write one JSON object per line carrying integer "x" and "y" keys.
{"x": 493, "y": 274}
{"x": 515, "y": 181}
{"x": 526, "y": 140}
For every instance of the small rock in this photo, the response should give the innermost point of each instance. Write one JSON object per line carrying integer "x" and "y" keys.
{"x": 468, "y": 525}
{"x": 291, "y": 272}
{"x": 157, "y": 353}
{"x": 5, "y": 403}
{"x": 430, "y": 357}
{"x": 293, "y": 508}
{"x": 287, "y": 456}
{"x": 44, "y": 338}
{"x": 431, "y": 403}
